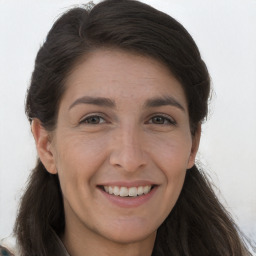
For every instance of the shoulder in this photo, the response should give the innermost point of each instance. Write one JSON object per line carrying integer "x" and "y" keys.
{"x": 8, "y": 247}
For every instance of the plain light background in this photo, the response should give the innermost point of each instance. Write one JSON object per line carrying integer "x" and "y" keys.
{"x": 224, "y": 30}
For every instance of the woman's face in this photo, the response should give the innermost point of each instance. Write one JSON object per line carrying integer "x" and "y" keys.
{"x": 122, "y": 146}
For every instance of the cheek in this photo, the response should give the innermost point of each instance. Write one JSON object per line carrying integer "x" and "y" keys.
{"x": 172, "y": 157}
{"x": 174, "y": 165}
{"x": 77, "y": 161}
{"x": 172, "y": 152}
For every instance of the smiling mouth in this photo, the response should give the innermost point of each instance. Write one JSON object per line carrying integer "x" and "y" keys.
{"x": 127, "y": 192}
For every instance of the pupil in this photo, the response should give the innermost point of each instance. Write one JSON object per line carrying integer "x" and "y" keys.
{"x": 94, "y": 120}
{"x": 158, "y": 120}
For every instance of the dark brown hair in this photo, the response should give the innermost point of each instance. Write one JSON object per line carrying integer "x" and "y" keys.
{"x": 198, "y": 224}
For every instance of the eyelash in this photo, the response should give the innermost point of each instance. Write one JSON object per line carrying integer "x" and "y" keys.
{"x": 167, "y": 120}
{"x": 85, "y": 120}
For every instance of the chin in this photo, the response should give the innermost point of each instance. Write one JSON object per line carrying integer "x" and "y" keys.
{"x": 130, "y": 238}
{"x": 130, "y": 232}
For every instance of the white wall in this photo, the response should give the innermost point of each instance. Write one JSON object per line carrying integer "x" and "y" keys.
{"x": 225, "y": 31}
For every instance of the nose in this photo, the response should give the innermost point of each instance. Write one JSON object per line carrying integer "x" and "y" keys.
{"x": 128, "y": 153}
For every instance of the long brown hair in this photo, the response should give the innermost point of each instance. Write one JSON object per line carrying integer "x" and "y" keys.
{"x": 198, "y": 224}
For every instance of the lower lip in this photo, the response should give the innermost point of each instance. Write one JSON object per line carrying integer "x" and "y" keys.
{"x": 128, "y": 202}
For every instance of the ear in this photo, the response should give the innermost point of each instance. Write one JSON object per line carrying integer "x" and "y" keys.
{"x": 195, "y": 145}
{"x": 43, "y": 146}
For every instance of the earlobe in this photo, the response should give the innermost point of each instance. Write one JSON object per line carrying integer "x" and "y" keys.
{"x": 43, "y": 146}
{"x": 195, "y": 145}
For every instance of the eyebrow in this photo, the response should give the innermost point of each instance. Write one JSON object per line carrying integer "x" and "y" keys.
{"x": 106, "y": 102}
{"x": 99, "y": 101}
{"x": 163, "y": 101}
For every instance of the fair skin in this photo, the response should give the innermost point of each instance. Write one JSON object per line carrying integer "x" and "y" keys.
{"x": 123, "y": 125}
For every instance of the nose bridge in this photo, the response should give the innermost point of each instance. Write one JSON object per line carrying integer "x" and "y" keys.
{"x": 128, "y": 152}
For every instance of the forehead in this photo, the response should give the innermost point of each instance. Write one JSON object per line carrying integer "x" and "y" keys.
{"x": 121, "y": 75}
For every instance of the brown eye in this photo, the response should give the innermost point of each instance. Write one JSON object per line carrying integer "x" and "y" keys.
{"x": 93, "y": 120}
{"x": 162, "y": 120}
{"x": 158, "y": 120}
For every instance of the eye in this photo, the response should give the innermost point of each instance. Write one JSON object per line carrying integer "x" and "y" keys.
{"x": 162, "y": 120}
{"x": 93, "y": 119}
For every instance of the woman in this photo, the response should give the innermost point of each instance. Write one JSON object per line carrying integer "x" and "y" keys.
{"x": 116, "y": 102}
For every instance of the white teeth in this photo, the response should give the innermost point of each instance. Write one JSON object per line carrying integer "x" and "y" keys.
{"x": 110, "y": 190}
{"x": 146, "y": 189}
{"x": 116, "y": 191}
{"x": 133, "y": 191}
{"x": 140, "y": 190}
{"x": 124, "y": 191}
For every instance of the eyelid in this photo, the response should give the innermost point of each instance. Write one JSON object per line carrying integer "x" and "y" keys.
{"x": 165, "y": 116}
{"x": 97, "y": 114}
